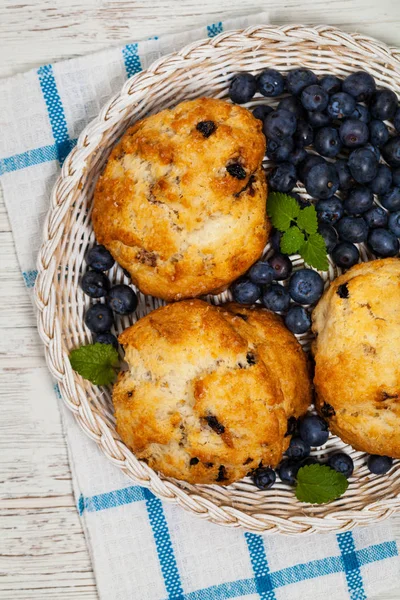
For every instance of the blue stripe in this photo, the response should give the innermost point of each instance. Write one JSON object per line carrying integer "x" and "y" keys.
{"x": 164, "y": 547}
{"x": 30, "y": 277}
{"x": 377, "y": 552}
{"x": 233, "y": 589}
{"x": 55, "y": 111}
{"x": 112, "y": 499}
{"x": 304, "y": 571}
{"x": 351, "y": 566}
{"x": 214, "y": 29}
{"x": 131, "y": 59}
{"x": 57, "y": 391}
{"x": 30, "y": 158}
{"x": 258, "y": 557}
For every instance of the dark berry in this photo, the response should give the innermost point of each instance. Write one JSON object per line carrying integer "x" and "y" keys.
{"x": 264, "y": 478}
{"x": 281, "y": 266}
{"x": 396, "y": 177}
{"x": 358, "y": 200}
{"x": 283, "y": 177}
{"x": 297, "y": 156}
{"x": 308, "y": 461}
{"x": 308, "y": 163}
{"x": 95, "y": 284}
{"x": 206, "y": 128}
{"x": 341, "y": 105}
{"x": 318, "y": 119}
{"x": 245, "y": 291}
{"x": 379, "y": 465}
{"x": 298, "y": 449}
{"x": 352, "y": 229}
{"x": 331, "y": 84}
{"x": 270, "y": 83}
{"x": 306, "y": 286}
{"x": 394, "y": 223}
{"x": 383, "y": 180}
{"x": 293, "y": 105}
{"x": 280, "y": 151}
{"x": 280, "y": 124}
{"x": 242, "y": 88}
{"x": 327, "y": 142}
{"x": 322, "y": 181}
{"x": 383, "y": 105}
{"x": 122, "y": 299}
{"x": 287, "y": 471}
{"x": 99, "y": 318}
{"x": 261, "y": 273}
{"x": 261, "y": 111}
{"x": 314, "y": 430}
{"x": 346, "y": 180}
{"x": 391, "y": 151}
{"x": 329, "y": 211}
{"x": 304, "y": 134}
{"x": 298, "y": 79}
{"x": 276, "y": 298}
{"x": 383, "y": 243}
{"x": 236, "y": 170}
{"x": 275, "y": 239}
{"x": 298, "y": 320}
{"x": 378, "y": 133}
{"x": 314, "y": 97}
{"x": 391, "y": 199}
{"x": 396, "y": 120}
{"x": 345, "y": 255}
{"x": 107, "y": 338}
{"x": 360, "y": 84}
{"x": 376, "y": 217}
{"x": 374, "y": 150}
{"x": 342, "y": 463}
{"x": 353, "y": 133}
{"x": 330, "y": 236}
{"x": 361, "y": 113}
{"x": 363, "y": 165}
{"x": 99, "y": 258}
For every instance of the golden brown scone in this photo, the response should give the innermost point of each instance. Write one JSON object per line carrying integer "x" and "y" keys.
{"x": 357, "y": 367}
{"x": 206, "y": 397}
{"x": 168, "y": 209}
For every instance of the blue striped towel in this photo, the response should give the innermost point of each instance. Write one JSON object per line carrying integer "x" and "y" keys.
{"x": 141, "y": 548}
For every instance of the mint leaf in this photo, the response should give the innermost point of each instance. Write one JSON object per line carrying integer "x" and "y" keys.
{"x": 282, "y": 209}
{"x": 318, "y": 484}
{"x": 314, "y": 252}
{"x": 307, "y": 219}
{"x": 292, "y": 240}
{"x": 95, "y": 362}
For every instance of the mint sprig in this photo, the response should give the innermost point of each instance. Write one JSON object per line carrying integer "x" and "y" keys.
{"x": 300, "y": 229}
{"x": 96, "y": 362}
{"x": 317, "y": 484}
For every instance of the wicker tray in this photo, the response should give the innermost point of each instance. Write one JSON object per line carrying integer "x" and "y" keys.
{"x": 202, "y": 68}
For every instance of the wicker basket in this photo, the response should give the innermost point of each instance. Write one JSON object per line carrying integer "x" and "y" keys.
{"x": 202, "y": 68}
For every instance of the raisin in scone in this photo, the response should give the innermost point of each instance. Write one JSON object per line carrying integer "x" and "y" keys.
{"x": 210, "y": 392}
{"x": 181, "y": 203}
{"x": 357, "y": 366}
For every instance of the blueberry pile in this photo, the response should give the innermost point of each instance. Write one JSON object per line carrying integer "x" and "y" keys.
{"x": 120, "y": 299}
{"x": 334, "y": 137}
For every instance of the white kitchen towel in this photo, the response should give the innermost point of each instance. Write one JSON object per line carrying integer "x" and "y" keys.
{"x": 141, "y": 548}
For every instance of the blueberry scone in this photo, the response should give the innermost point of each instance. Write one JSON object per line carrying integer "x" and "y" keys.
{"x": 210, "y": 392}
{"x": 181, "y": 202}
{"x": 357, "y": 366}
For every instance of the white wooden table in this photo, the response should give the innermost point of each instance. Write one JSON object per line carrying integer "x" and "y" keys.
{"x": 42, "y": 548}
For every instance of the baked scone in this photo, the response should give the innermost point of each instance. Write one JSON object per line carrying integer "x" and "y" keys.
{"x": 211, "y": 392}
{"x": 357, "y": 366}
{"x": 181, "y": 202}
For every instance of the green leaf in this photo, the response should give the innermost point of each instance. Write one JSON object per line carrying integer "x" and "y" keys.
{"x": 307, "y": 219}
{"x": 292, "y": 240}
{"x": 318, "y": 484}
{"x": 314, "y": 252}
{"x": 95, "y": 362}
{"x": 282, "y": 209}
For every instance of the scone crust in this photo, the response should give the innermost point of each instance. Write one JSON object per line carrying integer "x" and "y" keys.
{"x": 169, "y": 211}
{"x": 357, "y": 366}
{"x": 206, "y": 398}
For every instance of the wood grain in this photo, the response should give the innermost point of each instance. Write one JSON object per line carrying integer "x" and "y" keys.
{"x": 42, "y": 548}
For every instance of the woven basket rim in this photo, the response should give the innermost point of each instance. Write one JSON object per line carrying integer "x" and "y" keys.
{"x": 50, "y": 328}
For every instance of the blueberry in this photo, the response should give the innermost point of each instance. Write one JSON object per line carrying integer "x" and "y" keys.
{"x": 353, "y": 133}
{"x": 107, "y": 338}
{"x": 383, "y": 180}
{"x": 280, "y": 124}
{"x": 378, "y": 133}
{"x": 383, "y": 242}
{"x": 361, "y": 113}
{"x": 280, "y": 151}
{"x": 242, "y": 88}
{"x": 314, "y": 97}
{"x": 270, "y": 83}
{"x": 298, "y": 319}
{"x": 298, "y": 449}
{"x": 359, "y": 200}
{"x": 394, "y": 223}
{"x": 330, "y": 236}
{"x": 360, "y": 84}
{"x": 293, "y": 105}
{"x": 342, "y": 463}
{"x": 396, "y": 177}
{"x": 396, "y": 120}
{"x": 329, "y": 211}
{"x": 99, "y": 258}
{"x": 341, "y": 105}
{"x": 308, "y": 461}
{"x": 327, "y": 142}
{"x": 314, "y": 430}
{"x": 363, "y": 165}
{"x": 245, "y": 291}
{"x": 318, "y": 119}
{"x": 379, "y": 465}
{"x": 374, "y": 151}
{"x": 306, "y": 286}
{"x": 276, "y": 298}
{"x": 264, "y": 478}
{"x": 99, "y": 318}
{"x": 287, "y": 471}
{"x": 376, "y": 217}
{"x": 95, "y": 284}
{"x": 383, "y": 105}
{"x": 297, "y": 156}
{"x": 345, "y": 255}
{"x": 308, "y": 163}
{"x": 261, "y": 273}
{"x": 391, "y": 199}
{"x": 304, "y": 134}
{"x": 352, "y": 229}
{"x": 122, "y": 299}
{"x": 275, "y": 239}
{"x": 331, "y": 84}
{"x": 391, "y": 151}
{"x": 346, "y": 180}
{"x": 281, "y": 266}
{"x": 322, "y": 181}
{"x": 298, "y": 79}
{"x": 283, "y": 177}
{"x": 262, "y": 111}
